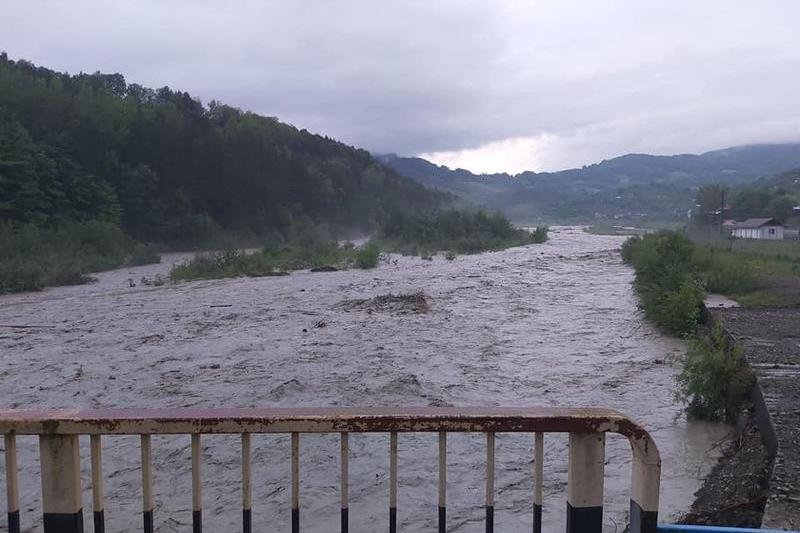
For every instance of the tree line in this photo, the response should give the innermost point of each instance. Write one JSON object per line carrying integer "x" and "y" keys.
{"x": 168, "y": 169}
{"x": 777, "y": 197}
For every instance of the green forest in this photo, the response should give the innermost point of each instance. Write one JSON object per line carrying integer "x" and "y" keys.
{"x": 96, "y": 173}
{"x": 168, "y": 169}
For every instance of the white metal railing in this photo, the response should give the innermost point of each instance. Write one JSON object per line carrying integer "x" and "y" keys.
{"x": 59, "y": 430}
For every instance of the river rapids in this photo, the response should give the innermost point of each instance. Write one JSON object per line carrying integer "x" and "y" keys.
{"x": 554, "y": 324}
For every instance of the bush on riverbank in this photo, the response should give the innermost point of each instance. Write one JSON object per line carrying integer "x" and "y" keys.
{"x": 462, "y": 232}
{"x": 672, "y": 275}
{"x": 669, "y": 288}
{"x": 32, "y": 258}
{"x": 715, "y": 379}
{"x": 275, "y": 260}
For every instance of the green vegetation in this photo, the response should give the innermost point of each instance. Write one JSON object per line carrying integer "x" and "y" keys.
{"x": 715, "y": 379}
{"x": 774, "y": 197}
{"x": 774, "y": 267}
{"x": 276, "y": 260}
{"x": 367, "y": 256}
{"x": 672, "y": 275}
{"x": 453, "y": 231}
{"x": 90, "y": 151}
{"x": 32, "y": 258}
{"x": 461, "y": 231}
{"x": 667, "y": 281}
{"x": 170, "y": 170}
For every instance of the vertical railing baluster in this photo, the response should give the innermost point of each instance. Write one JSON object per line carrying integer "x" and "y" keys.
{"x": 393, "y": 482}
{"x": 12, "y": 483}
{"x": 490, "y": 482}
{"x": 247, "y": 485}
{"x": 645, "y": 481}
{"x": 295, "y": 483}
{"x": 538, "y": 478}
{"x": 60, "y": 458}
{"x": 97, "y": 484}
{"x": 585, "y": 482}
{"x": 147, "y": 484}
{"x": 197, "y": 485}
{"x": 343, "y": 478}
{"x": 442, "y": 481}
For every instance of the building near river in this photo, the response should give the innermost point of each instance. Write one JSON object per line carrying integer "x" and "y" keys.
{"x": 758, "y": 228}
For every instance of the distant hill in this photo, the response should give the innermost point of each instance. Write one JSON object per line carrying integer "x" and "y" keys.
{"x": 630, "y": 188}
{"x": 169, "y": 169}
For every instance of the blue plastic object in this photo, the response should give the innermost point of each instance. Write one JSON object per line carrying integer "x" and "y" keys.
{"x": 667, "y": 528}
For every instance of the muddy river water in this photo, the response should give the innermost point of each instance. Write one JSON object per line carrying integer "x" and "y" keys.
{"x": 553, "y": 324}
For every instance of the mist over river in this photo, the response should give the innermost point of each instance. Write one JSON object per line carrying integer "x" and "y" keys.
{"x": 554, "y": 324}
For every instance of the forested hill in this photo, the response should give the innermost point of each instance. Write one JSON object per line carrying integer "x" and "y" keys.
{"x": 634, "y": 187}
{"x": 171, "y": 170}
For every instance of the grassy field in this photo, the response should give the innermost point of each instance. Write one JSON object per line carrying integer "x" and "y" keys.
{"x": 782, "y": 249}
{"x": 775, "y": 266}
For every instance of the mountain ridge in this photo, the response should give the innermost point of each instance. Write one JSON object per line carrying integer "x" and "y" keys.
{"x": 633, "y": 187}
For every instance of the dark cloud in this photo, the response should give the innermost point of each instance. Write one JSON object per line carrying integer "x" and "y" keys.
{"x": 495, "y": 85}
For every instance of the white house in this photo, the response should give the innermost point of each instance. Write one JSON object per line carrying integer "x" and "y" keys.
{"x": 759, "y": 228}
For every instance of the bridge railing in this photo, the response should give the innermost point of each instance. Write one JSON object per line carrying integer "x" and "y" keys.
{"x": 59, "y": 430}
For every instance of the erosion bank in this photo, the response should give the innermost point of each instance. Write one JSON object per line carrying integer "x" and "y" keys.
{"x": 771, "y": 343}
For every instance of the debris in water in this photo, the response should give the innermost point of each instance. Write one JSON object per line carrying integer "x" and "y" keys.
{"x": 416, "y": 302}
{"x": 157, "y": 281}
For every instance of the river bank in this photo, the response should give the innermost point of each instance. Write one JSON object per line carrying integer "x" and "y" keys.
{"x": 771, "y": 344}
{"x": 554, "y": 324}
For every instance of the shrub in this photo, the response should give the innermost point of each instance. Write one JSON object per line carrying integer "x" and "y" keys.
{"x": 367, "y": 256}
{"x": 679, "y": 311}
{"x": 669, "y": 289}
{"x": 715, "y": 380}
{"x": 32, "y": 257}
{"x": 540, "y": 234}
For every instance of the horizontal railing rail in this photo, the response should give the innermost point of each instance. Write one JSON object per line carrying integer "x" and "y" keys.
{"x": 58, "y": 432}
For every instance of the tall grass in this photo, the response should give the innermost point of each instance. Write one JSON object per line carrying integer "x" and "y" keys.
{"x": 32, "y": 258}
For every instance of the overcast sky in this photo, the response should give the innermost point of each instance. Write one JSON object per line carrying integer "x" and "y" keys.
{"x": 488, "y": 86}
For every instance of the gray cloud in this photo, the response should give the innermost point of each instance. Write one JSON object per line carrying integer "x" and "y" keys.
{"x": 584, "y": 80}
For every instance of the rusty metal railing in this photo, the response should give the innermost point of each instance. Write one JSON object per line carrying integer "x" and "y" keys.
{"x": 58, "y": 432}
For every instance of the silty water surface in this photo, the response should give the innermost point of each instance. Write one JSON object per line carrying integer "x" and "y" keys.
{"x": 554, "y": 324}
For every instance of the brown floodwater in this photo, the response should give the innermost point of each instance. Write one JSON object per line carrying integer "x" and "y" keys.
{"x": 554, "y": 324}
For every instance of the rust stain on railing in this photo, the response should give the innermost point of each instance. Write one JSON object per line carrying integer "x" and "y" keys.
{"x": 58, "y": 430}
{"x": 311, "y": 420}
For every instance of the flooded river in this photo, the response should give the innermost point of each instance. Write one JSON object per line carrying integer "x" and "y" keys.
{"x": 553, "y": 324}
